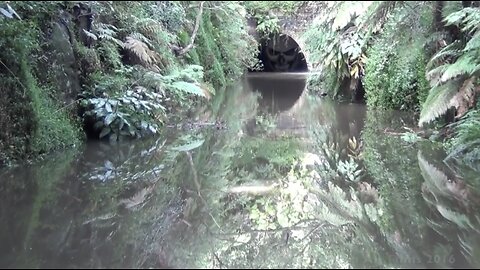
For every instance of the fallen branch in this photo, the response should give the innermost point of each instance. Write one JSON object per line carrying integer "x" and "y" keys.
{"x": 194, "y": 33}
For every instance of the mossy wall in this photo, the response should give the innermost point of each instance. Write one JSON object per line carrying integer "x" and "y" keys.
{"x": 395, "y": 67}
{"x": 31, "y": 123}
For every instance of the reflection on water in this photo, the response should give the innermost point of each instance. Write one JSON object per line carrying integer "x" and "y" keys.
{"x": 292, "y": 181}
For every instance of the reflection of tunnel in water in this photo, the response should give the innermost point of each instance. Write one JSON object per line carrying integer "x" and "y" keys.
{"x": 281, "y": 53}
{"x": 280, "y": 91}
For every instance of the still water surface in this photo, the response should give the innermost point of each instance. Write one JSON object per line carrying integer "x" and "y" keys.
{"x": 285, "y": 180}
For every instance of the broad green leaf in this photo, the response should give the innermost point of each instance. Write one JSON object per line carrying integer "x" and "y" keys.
{"x": 110, "y": 118}
{"x": 190, "y": 146}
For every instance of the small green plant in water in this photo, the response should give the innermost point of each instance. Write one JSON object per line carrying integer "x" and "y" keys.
{"x": 133, "y": 114}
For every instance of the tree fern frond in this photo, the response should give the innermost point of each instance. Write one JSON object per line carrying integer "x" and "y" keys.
{"x": 438, "y": 101}
{"x": 465, "y": 65}
{"x": 452, "y": 49}
{"x": 434, "y": 75}
{"x": 473, "y": 43}
{"x": 188, "y": 87}
{"x": 142, "y": 38}
{"x": 472, "y": 20}
{"x": 141, "y": 51}
{"x": 464, "y": 98}
{"x": 100, "y": 25}
{"x": 456, "y": 18}
{"x": 149, "y": 27}
{"x": 468, "y": 16}
{"x": 90, "y": 34}
{"x": 107, "y": 32}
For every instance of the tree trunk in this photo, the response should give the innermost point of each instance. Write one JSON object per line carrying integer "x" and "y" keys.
{"x": 195, "y": 30}
{"x": 437, "y": 16}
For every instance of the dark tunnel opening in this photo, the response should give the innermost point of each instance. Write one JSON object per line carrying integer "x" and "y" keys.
{"x": 281, "y": 53}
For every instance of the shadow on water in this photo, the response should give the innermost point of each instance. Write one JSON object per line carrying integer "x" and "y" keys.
{"x": 293, "y": 181}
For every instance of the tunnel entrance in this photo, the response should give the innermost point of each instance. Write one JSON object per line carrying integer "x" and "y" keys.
{"x": 281, "y": 53}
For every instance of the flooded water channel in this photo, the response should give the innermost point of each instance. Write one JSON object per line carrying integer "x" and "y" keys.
{"x": 283, "y": 180}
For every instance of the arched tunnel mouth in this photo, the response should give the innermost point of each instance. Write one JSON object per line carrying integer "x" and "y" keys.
{"x": 280, "y": 53}
{"x": 281, "y": 80}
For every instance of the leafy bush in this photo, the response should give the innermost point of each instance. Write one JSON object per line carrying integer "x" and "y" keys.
{"x": 119, "y": 111}
{"x": 130, "y": 115}
{"x": 337, "y": 45}
{"x": 394, "y": 77}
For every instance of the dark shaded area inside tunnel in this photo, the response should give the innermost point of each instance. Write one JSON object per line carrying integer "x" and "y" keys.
{"x": 279, "y": 91}
{"x": 281, "y": 53}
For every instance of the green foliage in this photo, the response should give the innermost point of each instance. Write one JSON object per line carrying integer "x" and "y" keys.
{"x": 264, "y": 7}
{"x": 337, "y": 45}
{"x": 129, "y": 59}
{"x": 209, "y": 53}
{"x": 241, "y": 51}
{"x": 394, "y": 72}
{"x": 267, "y": 25}
{"x": 465, "y": 144}
{"x": 32, "y": 123}
{"x": 266, "y": 14}
{"x": 121, "y": 111}
{"x": 170, "y": 13}
{"x": 132, "y": 114}
{"x": 454, "y": 69}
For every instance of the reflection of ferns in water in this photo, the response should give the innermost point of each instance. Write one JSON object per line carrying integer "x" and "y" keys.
{"x": 456, "y": 220}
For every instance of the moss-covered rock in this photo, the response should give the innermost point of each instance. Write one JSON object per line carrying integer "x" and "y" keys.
{"x": 32, "y": 123}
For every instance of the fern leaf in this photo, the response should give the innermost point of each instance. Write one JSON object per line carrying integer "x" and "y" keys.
{"x": 456, "y": 18}
{"x": 149, "y": 27}
{"x": 107, "y": 32}
{"x": 142, "y": 38}
{"x": 464, "y": 98}
{"x": 464, "y": 65}
{"x": 472, "y": 20}
{"x": 473, "y": 43}
{"x": 452, "y": 50}
{"x": 141, "y": 51}
{"x": 434, "y": 75}
{"x": 152, "y": 79}
{"x": 188, "y": 87}
{"x": 438, "y": 101}
{"x": 90, "y": 34}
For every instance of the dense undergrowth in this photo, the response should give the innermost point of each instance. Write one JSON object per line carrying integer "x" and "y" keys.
{"x": 415, "y": 56}
{"x": 114, "y": 69}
